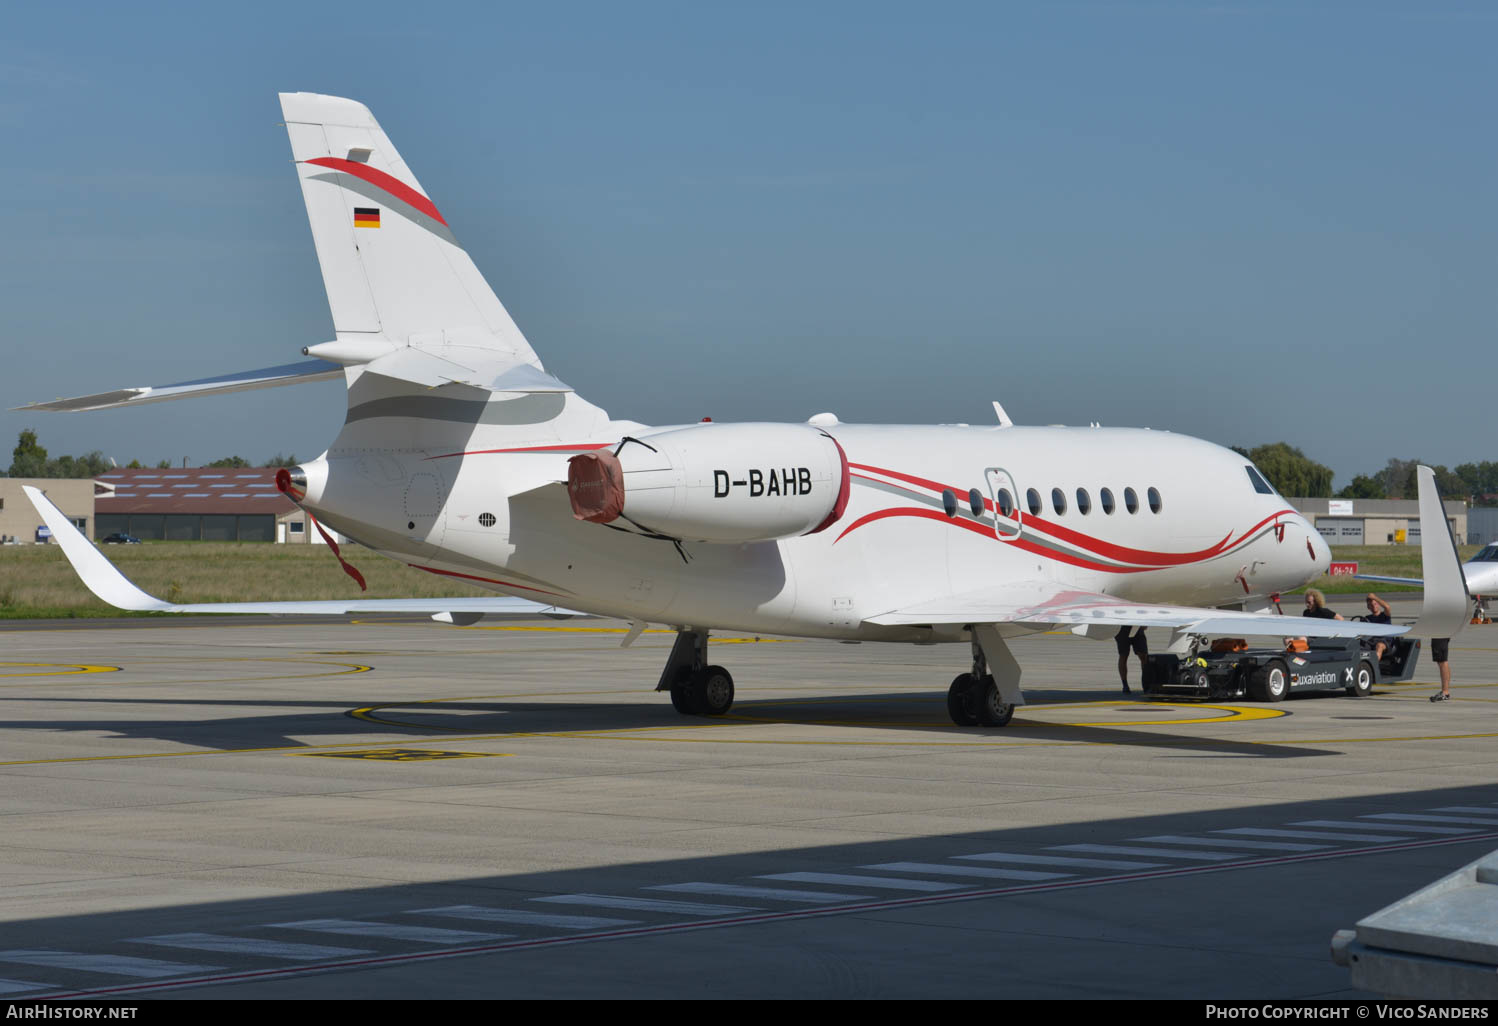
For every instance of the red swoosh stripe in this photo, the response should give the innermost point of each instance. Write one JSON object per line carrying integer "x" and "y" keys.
{"x": 977, "y": 528}
{"x": 1066, "y": 534}
{"x": 380, "y": 180}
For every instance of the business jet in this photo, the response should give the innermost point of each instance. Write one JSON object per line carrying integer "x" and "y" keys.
{"x": 462, "y": 456}
{"x": 1480, "y": 573}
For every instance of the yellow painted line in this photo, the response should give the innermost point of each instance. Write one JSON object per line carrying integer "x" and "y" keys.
{"x": 401, "y": 755}
{"x": 1023, "y": 716}
{"x": 58, "y": 669}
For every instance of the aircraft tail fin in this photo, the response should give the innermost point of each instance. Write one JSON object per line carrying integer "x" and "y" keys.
{"x": 394, "y": 272}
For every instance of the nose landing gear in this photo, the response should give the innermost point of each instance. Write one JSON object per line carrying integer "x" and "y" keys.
{"x": 696, "y": 688}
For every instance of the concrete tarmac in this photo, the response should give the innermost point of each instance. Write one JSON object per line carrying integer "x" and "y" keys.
{"x": 248, "y": 808}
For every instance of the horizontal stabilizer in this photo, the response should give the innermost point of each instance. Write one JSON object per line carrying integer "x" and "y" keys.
{"x": 1044, "y": 604}
{"x": 104, "y": 579}
{"x": 265, "y": 377}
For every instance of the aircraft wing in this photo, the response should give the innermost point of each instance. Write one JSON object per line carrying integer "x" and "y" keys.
{"x": 1045, "y": 604}
{"x": 412, "y": 364}
{"x": 104, "y": 579}
{"x": 1416, "y": 581}
{"x": 266, "y": 377}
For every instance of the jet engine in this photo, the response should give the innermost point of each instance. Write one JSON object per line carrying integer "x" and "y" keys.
{"x": 728, "y": 483}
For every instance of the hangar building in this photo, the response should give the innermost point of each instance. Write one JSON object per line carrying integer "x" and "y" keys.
{"x": 197, "y": 504}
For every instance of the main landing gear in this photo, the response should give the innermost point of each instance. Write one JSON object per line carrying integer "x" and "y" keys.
{"x": 696, "y": 688}
{"x": 975, "y": 698}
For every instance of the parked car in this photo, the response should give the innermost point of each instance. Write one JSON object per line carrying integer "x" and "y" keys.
{"x": 120, "y": 539}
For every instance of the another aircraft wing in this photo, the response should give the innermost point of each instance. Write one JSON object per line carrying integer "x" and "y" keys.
{"x": 104, "y": 579}
{"x": 1046, "y": 604}
{"x": 1416, "y": 581}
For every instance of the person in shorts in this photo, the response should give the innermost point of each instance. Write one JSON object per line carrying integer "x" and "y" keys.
{"x": 1438, "y": 652}
{"x": 1141, "y": 649}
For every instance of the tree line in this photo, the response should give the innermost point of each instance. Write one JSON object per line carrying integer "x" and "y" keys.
{"x": 1292, "y": 472}
{"x": 29, "y": 459}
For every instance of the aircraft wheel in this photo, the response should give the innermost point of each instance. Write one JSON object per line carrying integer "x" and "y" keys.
{"x": 1271, "y": 681}
{"x": 683, "y": 698}
{"x": 1364, "y": 686}
{"x": 712, "y": 690}
{"x": 960, "y": 700}
{"x": 992, "y": 710}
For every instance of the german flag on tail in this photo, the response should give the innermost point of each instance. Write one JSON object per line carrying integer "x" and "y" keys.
{"x": 366, "y": 217}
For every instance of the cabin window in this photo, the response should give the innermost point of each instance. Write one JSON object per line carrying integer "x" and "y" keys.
{"x": 1006, "y": 502}
{"x": 1260, "y": 485}
{"x": 1084, "y": 502}
{"x": 1105, "y": 499}
{"x": 949, "y": 503}
{"x": 1131, "y": 501}
{"x": 1154, "y": 497}
{"x": 975, "y": 502}
{"x": 1058, "y": 501}
{"x": 1032, "y": 499}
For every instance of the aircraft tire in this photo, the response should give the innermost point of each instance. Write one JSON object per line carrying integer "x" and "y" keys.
{"x": 682, "y": 697}
{"x": 992, "y": 710}
{"x": 712, "y": 691}
{"x": 1364, "y": 686}
{"x": 960, "y": 700}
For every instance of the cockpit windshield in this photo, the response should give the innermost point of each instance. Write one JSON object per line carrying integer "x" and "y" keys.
{"x": 1489, "y": 554}
{"x": 1260, "y": 485}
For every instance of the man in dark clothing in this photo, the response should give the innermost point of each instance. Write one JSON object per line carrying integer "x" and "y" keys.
{"x": 1141, "y": 649}
{"x": 1316, "y": 606}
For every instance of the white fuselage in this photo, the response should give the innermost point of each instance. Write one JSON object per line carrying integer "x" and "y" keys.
{"x": 498, "y": 516}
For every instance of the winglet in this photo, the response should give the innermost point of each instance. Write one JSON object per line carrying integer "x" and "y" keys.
{"x": 97, "y": 573}
{"x": 1446, "y": 605}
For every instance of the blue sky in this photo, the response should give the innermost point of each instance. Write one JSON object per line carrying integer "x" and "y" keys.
{"x": 1244, "y": 221}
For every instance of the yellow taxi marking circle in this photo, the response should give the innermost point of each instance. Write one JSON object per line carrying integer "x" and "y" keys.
{"x": 56, "y": 669}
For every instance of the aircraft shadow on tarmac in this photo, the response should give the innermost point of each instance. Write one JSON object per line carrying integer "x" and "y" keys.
{"x": 1257, "y": 926}
{"x": 912, "y": 713}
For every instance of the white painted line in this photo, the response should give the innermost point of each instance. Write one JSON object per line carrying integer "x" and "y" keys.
{"x": 392, "y": 931}
{"x": 1263, "y": 832}
{"x": 1413, "y": 818}
{"x": 18, "y": 986}
{"x": 881, "y": 882}
{"x": 1470, "y": 808}
{"x": 1060, "y": 860}
{"x": 1218, "y": 842}
{"x": 523, "y": 917}
{"x": 249, "y": 946}
{"x": 767, "y": 893}
{"x": 1403, "y": 827}
{"x": 1118, "y": 849}
{"x": 117, "y": 965}
{"x": 684, "y": 908}
{"x": 942, "y": 869}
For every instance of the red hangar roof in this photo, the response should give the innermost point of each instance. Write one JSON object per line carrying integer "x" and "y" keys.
{"x": 190, "y": 490}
